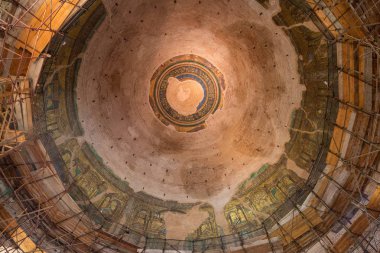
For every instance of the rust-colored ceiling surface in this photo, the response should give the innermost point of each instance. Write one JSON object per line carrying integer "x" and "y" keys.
{"x": 194, "y": 126}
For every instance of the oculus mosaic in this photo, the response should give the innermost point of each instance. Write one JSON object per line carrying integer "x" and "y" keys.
{"x": 181, "y": 69}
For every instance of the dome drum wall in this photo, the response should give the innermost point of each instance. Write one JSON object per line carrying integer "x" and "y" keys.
{"x": 250, "y": 201}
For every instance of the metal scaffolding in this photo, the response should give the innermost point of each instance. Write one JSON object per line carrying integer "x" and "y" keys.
{"x": 33, "y": 221}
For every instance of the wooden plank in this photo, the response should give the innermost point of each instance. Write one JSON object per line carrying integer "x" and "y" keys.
{"x": 53, "y": 14}
{"x": 297, "y": 226}
{"x": 361, "y": 224}
{"x": 361, "y": 60}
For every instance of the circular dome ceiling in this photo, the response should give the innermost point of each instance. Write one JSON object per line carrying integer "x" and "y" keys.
{"x": 196, "y": 109}
{"x": 261, "y": 91}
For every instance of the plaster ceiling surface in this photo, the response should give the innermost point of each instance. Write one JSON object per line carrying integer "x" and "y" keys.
{"x": 186, "y": 120}
{"x": 198, "y": 124}
{"x": 262, "y": 88}
{"x": 195, "y": 125}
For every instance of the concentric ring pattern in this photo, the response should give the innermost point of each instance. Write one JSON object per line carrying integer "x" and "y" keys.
{"x": 187, "y": 67}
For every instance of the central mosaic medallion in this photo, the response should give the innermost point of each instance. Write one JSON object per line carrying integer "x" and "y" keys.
{"x": 185, "y": 91}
